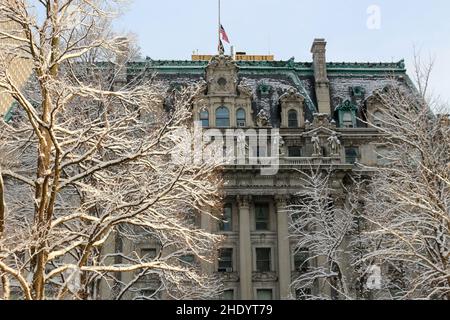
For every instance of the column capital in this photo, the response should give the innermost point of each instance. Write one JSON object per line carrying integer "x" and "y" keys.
{"x": 281, "y": 200}
{"x": 244, "y": 201}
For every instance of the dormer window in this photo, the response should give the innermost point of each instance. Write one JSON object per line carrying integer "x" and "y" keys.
{"x": 204, "y": 118}
{"x": 347, "y": 114}
{"x": 378, "y": 119}
{"x": 292, "y": 109}
{"x": 222, "y": 117}
{"x": 347, "y": 120}
{"x": 293, "y": 119}
{"x": 241, "y": 118}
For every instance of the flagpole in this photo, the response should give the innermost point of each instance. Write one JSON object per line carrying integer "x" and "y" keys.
{"x": 218, "y": 31}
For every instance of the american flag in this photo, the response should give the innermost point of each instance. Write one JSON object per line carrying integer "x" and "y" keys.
{"x": 224, "y": 34}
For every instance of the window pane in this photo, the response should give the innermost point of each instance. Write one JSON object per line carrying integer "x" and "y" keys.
{"x": 227, "y": 224}
{"x": 264, "y": 294}
{"x": 293, "y": 119}
{"x": 227, "y": 295}
{"x": 204, "y": 118}
{"x": 263, "y": 260}
{"x": 301, "y": 262}
{"x": 240, "y": 118}
{"x": 262, "y": 217}
{"x": 295, "y": 152}
{"x": 226, "y": 260}
{"x": 222, "y": 117}
{"x": 347, "y": 119}
{"x": 189, "y": 258}
{"x": 148, "y": 253}
{"x": 351, "y": 155}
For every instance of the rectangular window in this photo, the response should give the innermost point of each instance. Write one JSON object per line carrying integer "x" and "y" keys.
{"x": 347, "y": 120}
{"x": 301, "y": 260}
{"x": 227, "y": 295}
{"x": 226, "y": 260}
{"x": 222, "y": 123}
{"x": 226, "y": 225}
{"x": 264, "y": 294}
{"x": 263, "y": 260}
{"x": 189, "y": 259}
{"x": 351, "y": 155}
{"x": 205, "y": 123}
{"x": 148, "y": 253}
{"x": 295, "y": 152}
{"x": 259, "y": 152}
{"x": 262, "y": 216}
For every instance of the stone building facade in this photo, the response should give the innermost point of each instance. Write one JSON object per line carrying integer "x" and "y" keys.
{"x": 326, "y": 115}
{"x": 19, "y": 70}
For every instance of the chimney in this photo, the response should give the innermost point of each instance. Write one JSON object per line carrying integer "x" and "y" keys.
{"x": 320, "y": 74}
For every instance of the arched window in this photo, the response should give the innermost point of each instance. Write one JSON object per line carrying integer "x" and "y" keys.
{"x": 293, "y": 119}
{"x": 347, "y": 120}
{"x": 378, "y": 119}
{"x": 241, "y": 118}
{"x": 204, "y": 118}
{"x": 222, "y": 117}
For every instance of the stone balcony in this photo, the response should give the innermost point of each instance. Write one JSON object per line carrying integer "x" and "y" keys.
{"x": 288, "y": 163}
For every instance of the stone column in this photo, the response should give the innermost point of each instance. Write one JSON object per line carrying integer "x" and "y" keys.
{"x": 245, "y": 249}
{"x": 284, "y": 249}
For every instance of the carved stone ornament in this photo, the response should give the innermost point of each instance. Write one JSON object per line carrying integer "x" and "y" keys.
{"x": 222, "y": 61}
{"x": 292, "y": 95}
{"x": 263, "y": 119}
{"x": 264, "y": 277}
{"x": 317, "y": 145}
{"x": 321, "y": 120}
{"x": 229, "y": 276}
{"x": 334, "y": 144}
{"x": 245, "y": 90}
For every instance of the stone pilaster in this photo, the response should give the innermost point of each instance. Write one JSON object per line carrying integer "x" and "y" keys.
{"x": 284, "y": 250}
{"x": 245, "y": 249}
{"x": 207, "y": 225}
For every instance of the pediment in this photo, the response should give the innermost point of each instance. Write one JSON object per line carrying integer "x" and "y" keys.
{"x": 321, "y": 131}
{"x": 222, "y": 62}
{"x": 292, "y": 95}
{"x": 222, "y": 76}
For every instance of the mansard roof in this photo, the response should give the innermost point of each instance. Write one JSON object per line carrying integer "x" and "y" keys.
{"x": 270, "y": 80}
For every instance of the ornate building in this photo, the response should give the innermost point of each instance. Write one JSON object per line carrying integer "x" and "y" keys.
{"x": 323, "y": 112}
{"x": 18, "y": 68}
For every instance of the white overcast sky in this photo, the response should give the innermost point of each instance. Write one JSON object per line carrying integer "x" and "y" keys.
{"x": 173, "y": 29}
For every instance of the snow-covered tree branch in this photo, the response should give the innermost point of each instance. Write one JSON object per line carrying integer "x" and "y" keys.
{"x": 408, "y": 201}
{"x": 322, "y": 224}
{"x": 86, "y": 166}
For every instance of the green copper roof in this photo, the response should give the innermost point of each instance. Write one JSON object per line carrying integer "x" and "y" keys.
{"x": 185, "y": 66}
{"x": 8, "y": 115}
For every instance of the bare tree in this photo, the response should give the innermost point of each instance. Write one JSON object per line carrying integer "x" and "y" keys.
{"x": 408, "y": 201}
{"x": 86, "y": 165}
{"x": 322, "y": 224}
